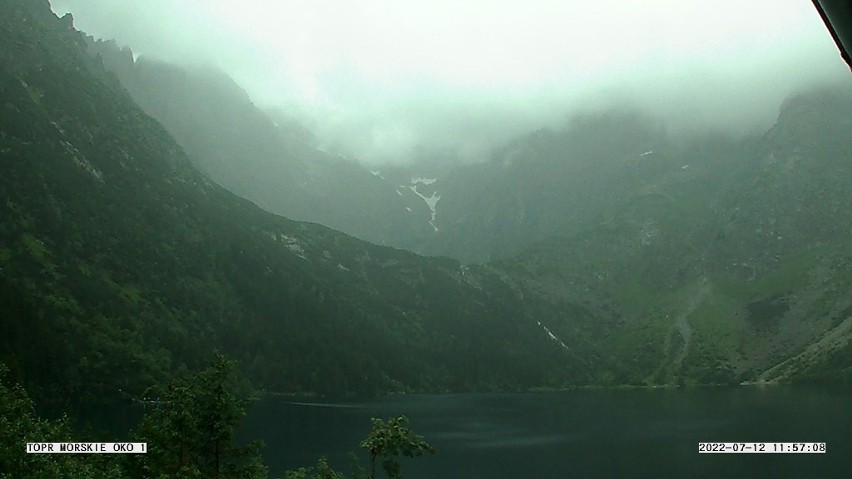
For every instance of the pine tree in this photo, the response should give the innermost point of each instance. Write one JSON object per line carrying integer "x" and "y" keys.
{"x": 19, "y": 424}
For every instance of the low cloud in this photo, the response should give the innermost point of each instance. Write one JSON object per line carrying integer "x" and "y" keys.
{"x": 382, "y": 80}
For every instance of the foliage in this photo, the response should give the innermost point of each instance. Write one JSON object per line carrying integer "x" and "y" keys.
{"x": 19, "y": 425}
{"x": 191, "y": 432}
{"x": 356, "y": 470}
{"x": 321, "y": 471}
{"x": 389, "y": 439}
{"x": 190, "y": 435}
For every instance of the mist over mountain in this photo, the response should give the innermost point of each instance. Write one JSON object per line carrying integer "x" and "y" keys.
{"x": 381, "y": 81}
{"x": 551, "y": 182}
{"x": 266, "y": 157}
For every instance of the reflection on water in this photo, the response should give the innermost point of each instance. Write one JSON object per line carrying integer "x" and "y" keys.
{"x": 625, "y": 433}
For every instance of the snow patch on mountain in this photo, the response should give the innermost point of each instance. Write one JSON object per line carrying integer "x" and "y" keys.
{"x": 431, "y": 202}
{"x": 424, "y": 181}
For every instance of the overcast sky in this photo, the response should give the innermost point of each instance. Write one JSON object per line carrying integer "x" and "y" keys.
{"x": 380, "y": 78}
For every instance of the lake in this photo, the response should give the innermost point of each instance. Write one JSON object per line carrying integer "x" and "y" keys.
{"x": 584, "y": 434}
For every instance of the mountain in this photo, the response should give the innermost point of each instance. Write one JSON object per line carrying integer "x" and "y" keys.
{"x": 686, "y": 259}
{"x": 554, "y": 182}
{"x": 549, "y": 183}
{"x": 621, "y": 254}
{"x": 265, "y": 157}
{"x": 121, "y": 263}
{"x": 739, "y": 266}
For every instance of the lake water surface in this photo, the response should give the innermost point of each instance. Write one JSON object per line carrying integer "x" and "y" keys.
{"x": 579, "y": 434}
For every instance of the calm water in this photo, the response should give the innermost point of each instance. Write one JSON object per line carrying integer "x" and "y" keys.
{"x": 586, "y": 434}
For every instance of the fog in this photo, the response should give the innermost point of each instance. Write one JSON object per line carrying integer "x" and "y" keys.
{"x": 381, "y": 79}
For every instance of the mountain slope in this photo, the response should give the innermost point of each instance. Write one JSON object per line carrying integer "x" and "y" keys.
{"x": 709, "y": 279}
{"x": 551, "y": 183}
{"x": 275, "y": 164}
{"x": 120, "y": 263}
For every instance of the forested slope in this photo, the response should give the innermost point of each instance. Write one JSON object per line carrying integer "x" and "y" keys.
{"x": 120, "y": 263}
